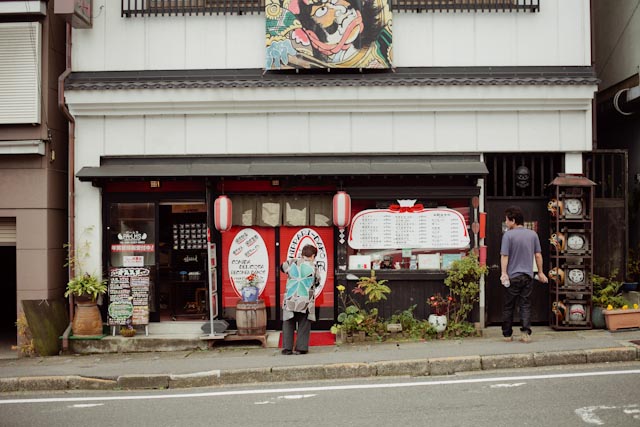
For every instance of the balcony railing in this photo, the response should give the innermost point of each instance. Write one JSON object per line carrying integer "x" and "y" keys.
{"x": 131, "y": 8}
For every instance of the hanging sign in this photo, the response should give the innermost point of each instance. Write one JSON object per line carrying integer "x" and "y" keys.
{"x": 408, "y": 227}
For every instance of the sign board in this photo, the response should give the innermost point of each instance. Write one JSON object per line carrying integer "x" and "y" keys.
{"x": 421, "y": 228}
{"x": 129, "y": 295}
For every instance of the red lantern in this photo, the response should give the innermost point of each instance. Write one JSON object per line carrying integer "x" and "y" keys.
{"x": 341, "y": 210}
{"x": 222, "y": 209}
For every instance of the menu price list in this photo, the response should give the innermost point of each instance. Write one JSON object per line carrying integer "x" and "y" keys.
{"x": 190, "y": 236}
{"x": 129, "y": 287}
{"x": 431, "y": 229}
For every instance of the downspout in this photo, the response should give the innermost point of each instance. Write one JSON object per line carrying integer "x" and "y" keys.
{"x": 71, "y": 175}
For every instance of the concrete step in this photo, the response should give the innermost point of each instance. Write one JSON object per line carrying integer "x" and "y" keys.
{"x": 184, "y": 328}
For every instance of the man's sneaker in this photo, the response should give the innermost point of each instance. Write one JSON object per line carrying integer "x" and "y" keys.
{"x": 525, "y": 337}
{"x": 507, "y": 339}
{"x": 287, "y": 352}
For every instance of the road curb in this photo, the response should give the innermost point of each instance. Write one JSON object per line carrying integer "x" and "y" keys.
{"x": 413, "y": 367}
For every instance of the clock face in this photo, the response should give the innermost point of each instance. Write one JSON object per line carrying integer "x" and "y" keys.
{"x": 576, "y": 275}
{"x": 573, "y": 206}
{"x": 576, "y": 241}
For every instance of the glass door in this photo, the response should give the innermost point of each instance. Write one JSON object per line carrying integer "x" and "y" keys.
{"x": 131, "y": 237}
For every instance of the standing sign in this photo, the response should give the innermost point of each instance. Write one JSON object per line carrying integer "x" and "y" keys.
{"x": 128, "y": 295}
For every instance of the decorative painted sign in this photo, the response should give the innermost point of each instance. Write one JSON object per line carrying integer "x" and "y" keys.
{"x": 304, "y": 237}
{"x": 413, "y": 227}
{"x": 248, "y": 255}
{"x": 328, "y": 34}
{"x": 129, "y": 294}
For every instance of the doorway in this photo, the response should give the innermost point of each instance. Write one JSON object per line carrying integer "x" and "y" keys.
{"x": 536, "y": 217}
{"x": 8, "y": 309}
{"x": 182, "y": 261}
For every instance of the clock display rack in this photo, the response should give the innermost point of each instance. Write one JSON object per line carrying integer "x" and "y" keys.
{"x": 571, "y": 256}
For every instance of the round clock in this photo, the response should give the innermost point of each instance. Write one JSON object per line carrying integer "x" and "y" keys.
{"x": 576, "y": 275}
{"x": 573, "y": 206}
{"x": 576, "y": 242}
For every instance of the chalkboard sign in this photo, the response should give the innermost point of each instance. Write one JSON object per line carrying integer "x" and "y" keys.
{"x": 129, "y": 295}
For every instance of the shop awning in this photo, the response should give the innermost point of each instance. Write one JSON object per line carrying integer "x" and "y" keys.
{"x": 150, "y": 167}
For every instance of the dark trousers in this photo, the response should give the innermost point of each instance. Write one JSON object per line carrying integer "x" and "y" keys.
{"x": 304, "y": 329}
{"x": 520, "y": 289}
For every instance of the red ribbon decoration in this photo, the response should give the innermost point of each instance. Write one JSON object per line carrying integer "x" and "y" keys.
{"x": 414, "y": 208}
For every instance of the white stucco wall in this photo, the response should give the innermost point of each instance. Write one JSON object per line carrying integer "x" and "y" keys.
{"x": 557, "y": 35}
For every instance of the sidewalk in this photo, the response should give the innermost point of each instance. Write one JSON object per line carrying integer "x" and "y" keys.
{"x": 244, "y": 363}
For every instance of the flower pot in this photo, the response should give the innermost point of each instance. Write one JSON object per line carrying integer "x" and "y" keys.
{"x": 249, "y": 294}
{"x": 87, "y": 320}
{"x": 438, "y": 322}
{"x": 619, "y": 319}
{"x": 127, "y": 332}
{"x": 630, "y": 286}
{"x": 597, "y": 317}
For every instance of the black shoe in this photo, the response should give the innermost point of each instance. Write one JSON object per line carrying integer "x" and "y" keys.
{"x": 287, "y": 352}
{"x": 301, "y": 352}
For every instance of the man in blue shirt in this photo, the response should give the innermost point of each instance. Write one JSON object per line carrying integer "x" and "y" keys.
{"x": 520, "y": 246}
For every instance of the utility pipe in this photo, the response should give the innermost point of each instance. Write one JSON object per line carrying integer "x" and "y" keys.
{"x": 71, "y": 171}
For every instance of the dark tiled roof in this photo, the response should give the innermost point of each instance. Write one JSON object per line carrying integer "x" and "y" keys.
{"x": 257, "y": 78}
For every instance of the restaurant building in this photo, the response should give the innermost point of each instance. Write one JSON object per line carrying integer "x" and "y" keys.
{"x": 430, "y": 127}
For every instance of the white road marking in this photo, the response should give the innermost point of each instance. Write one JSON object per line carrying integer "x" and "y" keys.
{"x": 588, "y": 413}
{"x": 318, "y": 389}
{"x": 506, "y": 385}
{"x": 86, "y": 405}
{"x": 264, "y": 402}
{"x": 297, "y": 396}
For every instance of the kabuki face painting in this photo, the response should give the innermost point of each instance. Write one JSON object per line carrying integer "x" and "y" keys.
{"x": 328, "y": 34}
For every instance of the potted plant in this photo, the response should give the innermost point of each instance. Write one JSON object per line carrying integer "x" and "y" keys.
{"x": 85, "y": 289}
{"x": 607, "y": 297}
{"x": 606, "y": 294}
{"x": 249, "y": 290}
{"x": 439, "y": 311}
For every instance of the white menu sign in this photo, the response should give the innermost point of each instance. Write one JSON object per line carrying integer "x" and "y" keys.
{"x": 424, "y": 228}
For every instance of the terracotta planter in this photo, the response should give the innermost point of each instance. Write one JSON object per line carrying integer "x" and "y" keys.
{"x": 87, "y": 320}
{"x": 619, "y": 319}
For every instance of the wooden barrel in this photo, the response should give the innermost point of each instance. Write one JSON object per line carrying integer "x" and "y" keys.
{"x": 251, "y": 318}
{"x": 87, "y": 320}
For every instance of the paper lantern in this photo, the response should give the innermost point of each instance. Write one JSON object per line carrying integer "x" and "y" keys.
{"x": 222, "y": 209}
{"x": 341, "y": 210}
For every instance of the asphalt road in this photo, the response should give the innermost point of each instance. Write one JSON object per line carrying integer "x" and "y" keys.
{"x": 566, "y": 396}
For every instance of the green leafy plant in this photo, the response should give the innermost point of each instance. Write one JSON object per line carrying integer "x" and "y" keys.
{"x": 83, "y": 284}
{"x": 607, "y": 291}
{"x": 86, "y": 285}
{"x": 373, "y": 289}
{"x": 463, "y": 281}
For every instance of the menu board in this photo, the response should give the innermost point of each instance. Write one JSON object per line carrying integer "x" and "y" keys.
{"x": 129, "y": 295}
{"x": 190, "y": 236}
{"x": 425, "y": 229}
